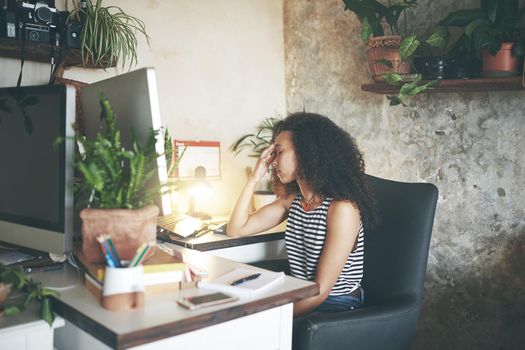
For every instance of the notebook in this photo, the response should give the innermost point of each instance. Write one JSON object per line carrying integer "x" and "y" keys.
{"x": 266, "y": 281}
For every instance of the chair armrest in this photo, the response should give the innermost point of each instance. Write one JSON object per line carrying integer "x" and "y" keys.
{"x": 369, "y": 327}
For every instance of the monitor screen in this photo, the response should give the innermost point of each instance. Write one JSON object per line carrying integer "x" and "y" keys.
{"x": 36, "y": 178}
{"x": 135, "y": 100}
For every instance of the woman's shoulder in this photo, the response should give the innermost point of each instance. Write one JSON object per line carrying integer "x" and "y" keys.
{"x": 344, "y": 208}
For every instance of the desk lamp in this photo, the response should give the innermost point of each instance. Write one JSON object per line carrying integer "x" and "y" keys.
{"x": 199, "y": 190}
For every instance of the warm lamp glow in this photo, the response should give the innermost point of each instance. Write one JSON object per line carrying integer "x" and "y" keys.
{"x": 199, "y": 190}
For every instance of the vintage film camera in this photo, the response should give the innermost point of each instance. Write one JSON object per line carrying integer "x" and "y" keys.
{"x": 37, "y": 20}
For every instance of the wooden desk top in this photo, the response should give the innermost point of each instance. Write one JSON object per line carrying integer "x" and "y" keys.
{"x": 161, "y": 317}
{"x": 212, "y": 241}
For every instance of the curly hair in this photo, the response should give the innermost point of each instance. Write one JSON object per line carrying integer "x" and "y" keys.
{"x": 329, "y": 161}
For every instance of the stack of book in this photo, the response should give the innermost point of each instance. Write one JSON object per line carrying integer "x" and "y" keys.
{"x": 162, "y": 273}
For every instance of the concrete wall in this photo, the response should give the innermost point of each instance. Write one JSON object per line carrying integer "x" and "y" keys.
{"x": 470, "y": 145}
{"x": 220, "y": 71}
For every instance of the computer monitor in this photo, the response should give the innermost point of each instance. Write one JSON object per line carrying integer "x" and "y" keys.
{"x": 36, "y": 177}
{"x": 134, "y": 98}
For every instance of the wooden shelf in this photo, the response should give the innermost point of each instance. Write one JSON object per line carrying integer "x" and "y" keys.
{"x": 455, "y": 85}
{"x": 39, "y": 52}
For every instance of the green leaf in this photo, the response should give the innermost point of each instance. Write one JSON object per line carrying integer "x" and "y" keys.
{"x": 366, "y": 29}
{"x": 12, "y": 310}
{"x": 385, "y": 62}
{"x": 45, "y": 311}
{"x": 46, "y": 292}
{"x": 479, "y": 24}
{"x": 394, "y": 101}
{"x": 392, "y": 78}
{"x": 408, "y": 46}
{"x": 439, "y": 38}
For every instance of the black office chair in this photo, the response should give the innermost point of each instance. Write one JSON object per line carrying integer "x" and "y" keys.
{"x": 395, "y": 263}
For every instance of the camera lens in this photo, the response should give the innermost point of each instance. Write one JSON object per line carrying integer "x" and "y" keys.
{"x": 43, "y": 14}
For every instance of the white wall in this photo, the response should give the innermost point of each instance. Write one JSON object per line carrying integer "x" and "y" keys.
{"x": 220, "y": 67}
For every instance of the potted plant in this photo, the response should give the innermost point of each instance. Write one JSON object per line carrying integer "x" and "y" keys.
{"x": 13, "y": 280}
{"x": 114, "y": 188}
{"x": 382, "y": 48}
{"x": 497, "y": 33}
{"x": 256, "y": 143}
{"x": 108, "y": 34}
{"x": 411, "y": 86}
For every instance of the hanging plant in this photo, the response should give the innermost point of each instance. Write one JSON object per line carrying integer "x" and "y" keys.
{"x": 108, "y": 35}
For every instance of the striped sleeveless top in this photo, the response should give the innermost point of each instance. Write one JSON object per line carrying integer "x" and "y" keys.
{"x": 305, "y": 236}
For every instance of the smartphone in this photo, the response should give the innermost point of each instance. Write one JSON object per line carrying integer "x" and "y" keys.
{"x": 199, "y": 301}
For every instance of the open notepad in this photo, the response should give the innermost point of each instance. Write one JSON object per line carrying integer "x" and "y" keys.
{"x": 265, "y": 281}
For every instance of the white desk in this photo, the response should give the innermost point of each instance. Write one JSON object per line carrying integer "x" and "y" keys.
{"x": 262, "y": 322}
{"x": 26, "y": 331}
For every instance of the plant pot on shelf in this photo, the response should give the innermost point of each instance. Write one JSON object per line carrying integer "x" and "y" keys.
{"x": 503, "y": 64}
{"x": 128, "y": 229}
{"x": 385, "y": 48}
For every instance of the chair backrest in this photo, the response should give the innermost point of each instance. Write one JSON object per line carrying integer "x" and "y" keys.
{"x": 396, "y": 251}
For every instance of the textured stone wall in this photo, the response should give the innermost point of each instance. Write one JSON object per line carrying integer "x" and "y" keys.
{"x": 471, "y": 145}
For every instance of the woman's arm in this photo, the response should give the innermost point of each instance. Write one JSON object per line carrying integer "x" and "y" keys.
{"x": 244, "y": 223}
{"x": 343, "y": 222}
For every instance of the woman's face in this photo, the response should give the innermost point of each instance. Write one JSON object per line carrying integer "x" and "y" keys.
{"x": 285, "y": 163}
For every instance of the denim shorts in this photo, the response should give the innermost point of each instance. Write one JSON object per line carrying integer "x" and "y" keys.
{"x": 342, "y": 303}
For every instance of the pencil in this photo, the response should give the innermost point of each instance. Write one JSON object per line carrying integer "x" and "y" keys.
{"x": 113, "y": 251}
{"x": 147, "y": 250}
{"x": 137, "y": 255}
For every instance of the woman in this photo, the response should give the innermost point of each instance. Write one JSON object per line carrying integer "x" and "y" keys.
{"x": 320, "y": 181}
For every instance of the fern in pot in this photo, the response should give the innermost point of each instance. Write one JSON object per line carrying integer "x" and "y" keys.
{"x": 116, "y": 188}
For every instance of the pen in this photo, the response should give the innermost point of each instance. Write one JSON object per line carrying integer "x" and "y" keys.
{"x": 113, "y": 250}
{"x": 106, "y": 252}
{"x": 245, "y": 279}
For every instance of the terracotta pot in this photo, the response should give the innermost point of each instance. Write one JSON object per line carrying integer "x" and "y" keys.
{"x": 128, "y": 228}
{"x": 502, "y": 64}
{"x": 385, "y": 47}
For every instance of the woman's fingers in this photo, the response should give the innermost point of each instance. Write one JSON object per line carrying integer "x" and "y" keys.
{"x": 264, "y": 161}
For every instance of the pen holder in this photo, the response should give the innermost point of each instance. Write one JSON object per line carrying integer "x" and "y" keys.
{"x": 123, "y": 288}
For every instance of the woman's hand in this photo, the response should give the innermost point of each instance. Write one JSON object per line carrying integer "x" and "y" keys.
{"x": 263, "y": 163}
